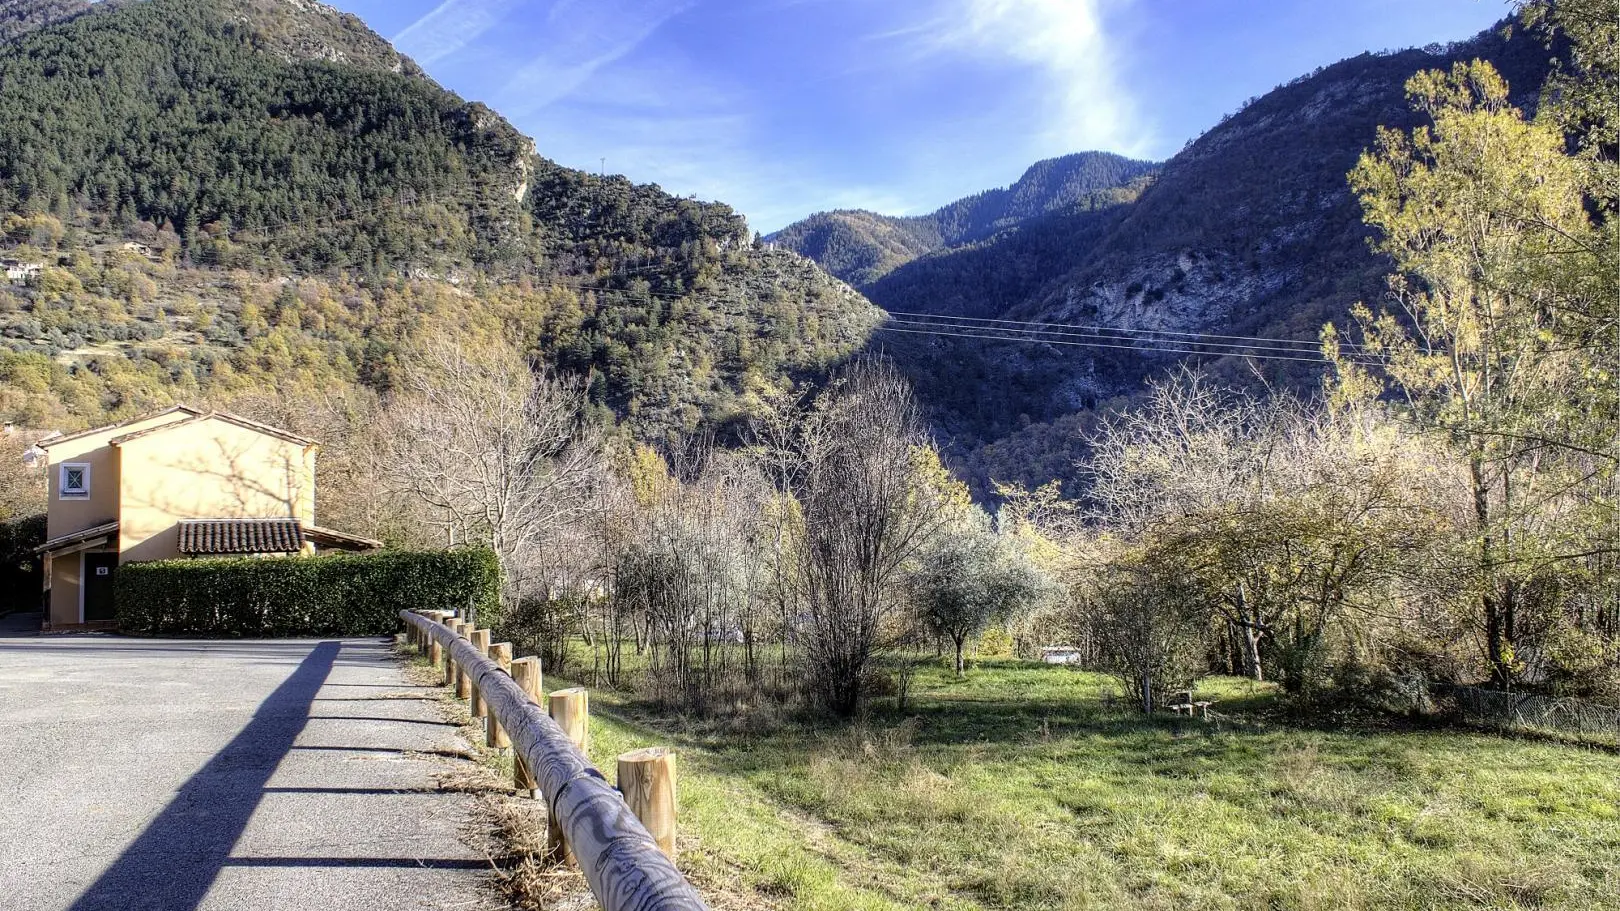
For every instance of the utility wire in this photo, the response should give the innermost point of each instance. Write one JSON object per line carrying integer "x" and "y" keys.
{"x": 1162, "y": 349}
{"x": 1065, "y": 329}
{"x": 1138, "y": 336}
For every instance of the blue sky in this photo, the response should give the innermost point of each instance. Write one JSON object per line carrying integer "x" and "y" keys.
{"x": 786, "y": 107}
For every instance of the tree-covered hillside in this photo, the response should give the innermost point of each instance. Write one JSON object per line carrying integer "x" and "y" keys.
{"x": 205, "y": 196}
{"x": 1251, "y": 230}
{"x": 861, "y": 247}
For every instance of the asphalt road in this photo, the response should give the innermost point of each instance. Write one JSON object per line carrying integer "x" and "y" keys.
{"x": 170, "y": 775}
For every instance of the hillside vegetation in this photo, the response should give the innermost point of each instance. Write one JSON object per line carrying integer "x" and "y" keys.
{"x": 221, "y": 197}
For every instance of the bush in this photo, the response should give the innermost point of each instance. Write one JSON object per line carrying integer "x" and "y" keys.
{"x": 19, "y": 567}
{"x": 340, "y": 595}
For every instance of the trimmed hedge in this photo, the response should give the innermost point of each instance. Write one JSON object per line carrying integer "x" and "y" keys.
{"x": 338, "y": 595}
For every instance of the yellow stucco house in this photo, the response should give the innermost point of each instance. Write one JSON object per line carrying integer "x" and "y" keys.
{"x": 179, "y": 483}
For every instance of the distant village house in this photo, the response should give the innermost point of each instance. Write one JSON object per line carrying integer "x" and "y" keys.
{"x": 19, "y": 272}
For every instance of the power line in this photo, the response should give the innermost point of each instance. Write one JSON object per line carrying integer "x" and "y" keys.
{"x": 1089, "y": 331}
{"x": 1258, "y": 355}
{"x": 1126, "y": 340}
{"x": 1139, "y": 336}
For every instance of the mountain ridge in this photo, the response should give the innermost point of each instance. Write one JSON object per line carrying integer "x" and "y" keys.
{"x": 861, "y": 246}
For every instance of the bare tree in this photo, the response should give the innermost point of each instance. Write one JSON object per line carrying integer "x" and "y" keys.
{"x": 498, "y": 453}
{"x": 852, "y": 463}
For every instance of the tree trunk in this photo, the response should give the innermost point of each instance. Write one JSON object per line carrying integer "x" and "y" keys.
{"x": 959, "y": 640}
{"x": 1498, "y": 638}
{"x": 1250, "y": 639}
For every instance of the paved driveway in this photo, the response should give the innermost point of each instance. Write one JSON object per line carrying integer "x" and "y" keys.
{"x": 180, "y": 775}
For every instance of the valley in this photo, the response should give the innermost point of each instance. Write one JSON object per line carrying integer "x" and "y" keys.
{"x": 1234, "y": 529}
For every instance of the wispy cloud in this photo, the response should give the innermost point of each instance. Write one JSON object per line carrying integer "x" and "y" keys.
{"x": 1067, "y": 42}
{"x": 582, "y": 37}
{"x": 451, "y": 26}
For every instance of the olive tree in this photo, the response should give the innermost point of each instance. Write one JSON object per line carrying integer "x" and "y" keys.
{"x": 971, "y": 578}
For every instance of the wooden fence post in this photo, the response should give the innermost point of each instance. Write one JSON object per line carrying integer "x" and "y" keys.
{"x": 475, "y": 702}
{"x": 571, "y": 709}
{"x": 494, "y": 735}
{"x": 454, "y": 626}
{"x": 463, "y": 681}
{"x": 430, "y": 645}
{"x": 647, "y": 781}
{"x": 526, "y": 673}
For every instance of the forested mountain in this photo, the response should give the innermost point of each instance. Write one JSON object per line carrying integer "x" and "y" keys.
{"x": 19, "y": 16}
{"x": 204, "y": 197}
{"x": 861, "y": 247}
{"x": 1251, "y": 230}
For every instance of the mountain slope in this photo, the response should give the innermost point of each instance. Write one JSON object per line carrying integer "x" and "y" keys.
{"x": 221, "y": 195}
{"x": 1252, "y": 230}
{"x": 861, "y": 247}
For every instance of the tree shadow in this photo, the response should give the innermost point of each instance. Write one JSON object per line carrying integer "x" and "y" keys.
{"x": 175, "y": 860}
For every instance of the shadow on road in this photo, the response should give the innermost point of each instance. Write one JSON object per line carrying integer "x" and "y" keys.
{"x": 23, "y": 624}
{"x": 172, "y": 864}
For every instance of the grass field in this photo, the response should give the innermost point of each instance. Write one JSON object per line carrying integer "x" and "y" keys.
{"x": 1016, "y": 789}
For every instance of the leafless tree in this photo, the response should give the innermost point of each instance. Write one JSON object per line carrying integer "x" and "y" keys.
{"x": 499, "y": 454}
{"x": 851, "y": 462}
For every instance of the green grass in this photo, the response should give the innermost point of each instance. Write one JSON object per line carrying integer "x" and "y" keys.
{"x": 1015, "y": 789}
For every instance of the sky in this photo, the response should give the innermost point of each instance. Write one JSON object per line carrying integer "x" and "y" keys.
{"x": 782, "y": 108}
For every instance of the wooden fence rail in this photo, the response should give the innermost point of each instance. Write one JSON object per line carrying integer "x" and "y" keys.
{"x": 620, "y": 859}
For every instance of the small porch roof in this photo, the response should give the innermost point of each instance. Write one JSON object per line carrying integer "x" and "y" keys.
{"x": 79, "y": 540}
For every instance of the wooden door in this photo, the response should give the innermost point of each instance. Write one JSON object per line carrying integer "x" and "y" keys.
{"x": 98, "y": 586}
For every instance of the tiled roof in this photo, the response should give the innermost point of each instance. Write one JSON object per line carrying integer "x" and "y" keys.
{"x": 225, "y": 416}
{"x": 241, "y": 536}
{"x": 181, "y": 409}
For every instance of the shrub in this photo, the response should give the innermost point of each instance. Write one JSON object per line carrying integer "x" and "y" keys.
{"x": 19, "y": 567}
{"x": 339, "y": 595}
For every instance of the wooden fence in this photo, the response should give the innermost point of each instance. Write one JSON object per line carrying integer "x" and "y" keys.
{"x": 621, "y": 860}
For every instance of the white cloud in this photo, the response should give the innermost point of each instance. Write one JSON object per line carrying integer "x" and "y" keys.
{"x": 582, "y": 38}
{"x": 1067, "y": 42}
{"x": 451, "y": 26}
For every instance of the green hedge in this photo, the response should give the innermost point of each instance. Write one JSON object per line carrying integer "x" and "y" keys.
{"x": 339, "y": 595}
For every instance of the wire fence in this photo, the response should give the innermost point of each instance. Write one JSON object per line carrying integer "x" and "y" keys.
{"x": 1530, "y": 712}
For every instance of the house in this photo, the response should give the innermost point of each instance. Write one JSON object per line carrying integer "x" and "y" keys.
{"x": 179, "y": 483}
{"x": 17, "y": 272}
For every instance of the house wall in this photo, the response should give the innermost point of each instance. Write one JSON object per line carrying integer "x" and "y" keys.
{"x": 64, "y": 517}
{"x": 207, "y": 469}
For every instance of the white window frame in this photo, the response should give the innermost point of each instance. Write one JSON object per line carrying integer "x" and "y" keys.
{"x": 63, "y": 492}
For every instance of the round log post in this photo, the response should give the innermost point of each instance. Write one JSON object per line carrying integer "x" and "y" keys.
{"x": 463, "y": 681}
{"x": 495, "y": 737}
{"x": 475, "y": 702}
{"x": 435, "y": 653}
{"x": 571, "y": 709}
{"x": 526, "y": 673}
{"x": 444, "y": 661}
{"x": 647, "y": 780}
